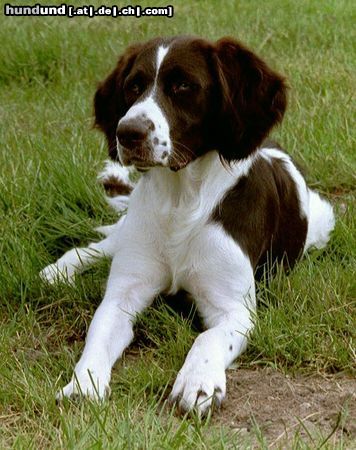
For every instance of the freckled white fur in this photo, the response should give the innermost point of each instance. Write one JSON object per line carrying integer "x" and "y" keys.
{"x": 150, "y": 109}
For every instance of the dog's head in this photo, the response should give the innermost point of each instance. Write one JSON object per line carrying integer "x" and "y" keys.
{"x": 171, "y": 100}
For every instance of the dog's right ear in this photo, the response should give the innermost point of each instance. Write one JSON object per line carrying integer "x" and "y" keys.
{"x": 109, "y": 101}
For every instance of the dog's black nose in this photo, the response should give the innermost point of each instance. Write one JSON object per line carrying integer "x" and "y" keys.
{"x": 132, "y": 133}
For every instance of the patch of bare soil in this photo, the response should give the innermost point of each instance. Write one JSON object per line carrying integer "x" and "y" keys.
{"x": 282, "y": 406}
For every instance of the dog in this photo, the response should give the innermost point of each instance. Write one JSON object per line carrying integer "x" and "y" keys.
{"x": 215, "y": 204}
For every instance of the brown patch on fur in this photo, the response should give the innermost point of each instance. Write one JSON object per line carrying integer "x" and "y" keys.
{"x": 113, "y": 187}
{"x": 262, "y": 213}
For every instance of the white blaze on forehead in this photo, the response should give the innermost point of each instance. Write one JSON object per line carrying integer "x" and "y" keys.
{"x": 161, "y": 53}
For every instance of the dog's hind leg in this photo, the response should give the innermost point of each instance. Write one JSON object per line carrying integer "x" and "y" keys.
{"x": 321, "y": 221}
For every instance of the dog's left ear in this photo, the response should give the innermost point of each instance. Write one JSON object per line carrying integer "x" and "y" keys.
{"x": 253, "y": 99}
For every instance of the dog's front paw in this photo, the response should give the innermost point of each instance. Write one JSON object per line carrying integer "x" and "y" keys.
{"x": 57, "y": 273}
{"x": 199, "y": 386}
{"x": 86, "y": 384}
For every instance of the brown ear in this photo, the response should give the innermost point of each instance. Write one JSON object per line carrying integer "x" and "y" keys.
{"x": 109, "y": 101}
{"x": 253, "y": 99}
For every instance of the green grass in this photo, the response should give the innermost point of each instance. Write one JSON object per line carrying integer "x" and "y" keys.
{"x": 49, "y": 202}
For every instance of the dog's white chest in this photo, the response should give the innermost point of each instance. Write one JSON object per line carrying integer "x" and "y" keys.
{"x": 181, "y": 226}
{"x": 172, "y": 211}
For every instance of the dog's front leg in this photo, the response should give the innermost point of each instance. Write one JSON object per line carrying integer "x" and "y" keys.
{"x": 133, "y": 283}
{"x": 201, "y": 382}
{"x": 224, "y": 291}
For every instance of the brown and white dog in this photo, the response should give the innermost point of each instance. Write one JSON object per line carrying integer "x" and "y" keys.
{"x": 214, "y": 203}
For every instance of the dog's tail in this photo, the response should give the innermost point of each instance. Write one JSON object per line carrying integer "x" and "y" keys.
{"x": 321, "y": 221}
{"x": 117, "y": 184}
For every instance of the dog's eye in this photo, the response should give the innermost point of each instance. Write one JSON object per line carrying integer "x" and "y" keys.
{"x": 180, "y": 87}
{"x": 136, "y": 89}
